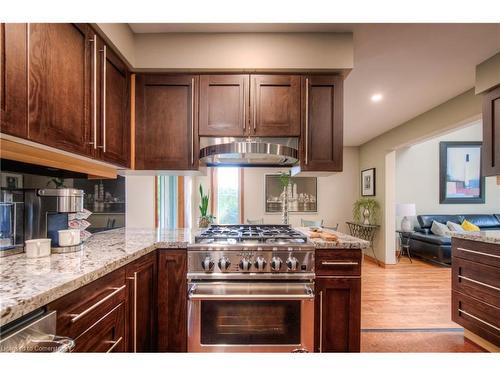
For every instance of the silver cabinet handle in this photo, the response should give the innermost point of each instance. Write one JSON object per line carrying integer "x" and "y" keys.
{"x": 254, "y": 105}
{"x": 478, "y": 282}
{"x": 115, "y": 344}
{"x": 478, "y": 319}
{"x": 94, "y": 101}
{"x": 135, "y": 310}
{"x": 244, "y": 110}
{"x": 321, "y": 322}
{"x": 478, "y": 252}
{"x": 76, "y": 317}
{"x": 192, "y": 121}
{"x": 327, "y": 263}
{"x": 104, "y": 71}
{"x": 307, "y": 123}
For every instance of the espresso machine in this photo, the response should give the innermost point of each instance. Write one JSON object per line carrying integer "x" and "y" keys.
{"x": 46, "y": 212}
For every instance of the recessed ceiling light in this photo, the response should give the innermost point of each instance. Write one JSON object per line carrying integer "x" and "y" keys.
{"x": 376, "y": 97}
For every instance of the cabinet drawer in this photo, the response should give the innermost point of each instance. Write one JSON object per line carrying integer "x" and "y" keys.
{"x": 338, "y": 262}
{"x": 475, "y": 251}
{"x": 106, "y": 335}
{"x": 476, "y": 279}
{"x": 476, "y": 316}
{"x": 81, "y": 309}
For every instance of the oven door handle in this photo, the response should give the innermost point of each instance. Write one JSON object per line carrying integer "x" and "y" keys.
{"x": 248, "y": 297}
{"x": 217, "y": 291}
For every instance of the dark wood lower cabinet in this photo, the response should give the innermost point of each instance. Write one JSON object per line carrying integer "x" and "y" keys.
{"x": 338, "y": 314}
{"x": 172, "y": 301}
{"x": 141, "y": 326}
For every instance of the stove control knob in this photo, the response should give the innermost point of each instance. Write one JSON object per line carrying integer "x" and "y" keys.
{"x": 292, "y": 263}
{"x": 276, "y": 263}
{"x": 208, "y": 264}
{"x": 245, "y": 264}
{"x": 224, "y": 263}
{"x": 260, "y": 263}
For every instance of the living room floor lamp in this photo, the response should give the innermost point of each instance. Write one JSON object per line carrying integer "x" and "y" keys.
{"x": 406, "y": 210}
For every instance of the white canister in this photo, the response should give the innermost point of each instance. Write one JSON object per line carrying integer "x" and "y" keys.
{"x": 69, "y": 237}
{"x": 37, "y": 248}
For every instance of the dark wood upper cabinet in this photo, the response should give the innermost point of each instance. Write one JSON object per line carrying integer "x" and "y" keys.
{"x": 60, "y": 86}
{"x": 321, "y": 144}
{"x": 275, "y": 105}
{"x": 491, "y": 133}
{"x": 113, "y": 132}
{"x": 166, "y": 122}
{"x": 172, "y": 301}
{"x": 224, "y": 102}
{"x": 338, "y": 314}
{"x": 141, "y": 326}
{"x": 13, "y": 79}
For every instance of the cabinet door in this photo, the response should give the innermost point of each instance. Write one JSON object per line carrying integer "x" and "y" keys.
{"x": 491, "y": 133}
{"x": 60, "y": 86}
{"x": 338, "y": 314}
{"x": 141, "y": 326}
{"x": 172, "y": 301}
{"x": 114, "y": 129}
{"x": 13, "y": 79}
{"x": 166, "y": 122}
{"x": 322, "y": 139}
{"x": 275, "y": 105}
{"x": 224, "y": 101}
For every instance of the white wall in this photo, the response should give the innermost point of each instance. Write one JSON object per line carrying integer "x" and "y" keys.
{"x": 417, "y": 177}
{"x": 140, "y": 201}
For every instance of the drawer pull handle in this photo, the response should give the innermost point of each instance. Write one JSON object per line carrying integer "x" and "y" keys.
{"x": 478, "y": 282}
{"x": 327, "y": 263}
{"x": 115, "y": 344}
{"x": 76, "y": 317}
{"x": 478, "y": 252}
{"x": 478, "y": 319}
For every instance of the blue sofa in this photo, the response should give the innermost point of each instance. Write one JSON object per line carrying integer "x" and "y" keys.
{"x": 426, "y": 245}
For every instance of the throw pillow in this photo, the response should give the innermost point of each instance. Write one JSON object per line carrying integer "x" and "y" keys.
{"x": 469, "y": 227}
{"x": 440, "y": 229}
{"x": 454, "y": 227}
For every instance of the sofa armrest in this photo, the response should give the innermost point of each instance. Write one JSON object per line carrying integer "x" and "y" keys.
{"x": 423, "y": 230}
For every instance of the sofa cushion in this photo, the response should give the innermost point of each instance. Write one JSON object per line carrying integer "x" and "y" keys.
{"x": 483, "y": 221}
{"x": 454, "y": 227}
{"x": 469, "y": 227}
{"x": 431, "y": 238}
{"x": 425, "y": 221}
{"x": 440, "y": 229}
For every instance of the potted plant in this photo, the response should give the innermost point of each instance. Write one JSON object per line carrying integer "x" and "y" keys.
{"x": 205, "y": 219}
{"x": 369, "y": 208}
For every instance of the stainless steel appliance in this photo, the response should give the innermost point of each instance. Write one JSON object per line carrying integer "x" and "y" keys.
{"x": 250, "y": 289}
{"x": 11, "y": 221}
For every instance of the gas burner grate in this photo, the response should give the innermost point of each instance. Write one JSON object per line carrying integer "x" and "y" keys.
{"x": 260, "y": 233}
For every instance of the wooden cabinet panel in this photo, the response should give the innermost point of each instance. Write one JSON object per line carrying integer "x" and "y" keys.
{"x": 60, "y": 86}
{"x": 322, "y": 139}
{"x": 491, "y": 133}
{"x": 172, "y": 301}
{"x": 338, "y": 314}
{"x": 13, "y": 79}
{"x": 166, "y": 122}
{"x": 475, "y": 251}
{"x": 224, "y": 102}
{"x": 339, "y": 262}
{"x": 275, "y": 105}
{"x": 114, "y": 109}
{"x": 141, "y": 326}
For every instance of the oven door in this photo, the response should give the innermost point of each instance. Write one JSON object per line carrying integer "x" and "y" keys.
{"x": 250, "y": 317}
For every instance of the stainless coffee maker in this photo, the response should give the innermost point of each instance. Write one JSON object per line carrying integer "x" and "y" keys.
{"x": 46, "y": 212}
{"x": 11, "y": 221}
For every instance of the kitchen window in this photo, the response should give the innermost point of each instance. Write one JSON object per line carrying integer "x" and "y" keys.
{"x": 227, "y": 202}
{"x": 172, "y": 210}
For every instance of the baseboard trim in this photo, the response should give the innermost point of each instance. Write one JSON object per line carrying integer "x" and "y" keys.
{"x": 378, "y": 330}
{"x": 478, "y": 340}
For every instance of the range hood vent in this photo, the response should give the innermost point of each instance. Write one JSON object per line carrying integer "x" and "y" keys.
{"x": 249, "y": 152}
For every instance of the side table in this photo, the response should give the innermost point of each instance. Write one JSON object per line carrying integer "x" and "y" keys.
{"x": 404, "y": 244}
{"x": 365, "y": 232}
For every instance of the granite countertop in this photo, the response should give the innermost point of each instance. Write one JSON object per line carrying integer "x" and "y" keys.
{"x": 488, "y": 236}
{"x": 27, "y": 284}
{"x": 344, "y": 241}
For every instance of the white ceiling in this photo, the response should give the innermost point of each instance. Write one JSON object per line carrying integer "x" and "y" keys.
{"x": 414, "y": 66}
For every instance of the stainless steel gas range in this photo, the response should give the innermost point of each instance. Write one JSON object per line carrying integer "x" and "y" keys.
{"x": 250, "y": 289}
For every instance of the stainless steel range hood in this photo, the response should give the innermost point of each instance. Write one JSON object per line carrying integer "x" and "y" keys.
{"x": 249, "y": 152}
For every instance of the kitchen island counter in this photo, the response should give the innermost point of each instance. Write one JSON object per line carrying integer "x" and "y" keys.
{"x": 344, "y": 241}
{"x": 27, "y": 284}
{"x": 488, "y": 236}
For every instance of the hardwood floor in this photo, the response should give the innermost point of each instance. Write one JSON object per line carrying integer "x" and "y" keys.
{"x": 407, "y": 308}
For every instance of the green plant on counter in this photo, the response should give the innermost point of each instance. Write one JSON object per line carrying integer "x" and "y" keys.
{"x": 363, "y": 204}
{"x": 285, "y": 179}
{"x": 205, "y": 218}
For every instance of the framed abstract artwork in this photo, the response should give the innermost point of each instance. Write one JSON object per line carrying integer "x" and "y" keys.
{"x": 368, "y": 182}
{"x": 302, "y": 194}
{"x": 460, "y": 179}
